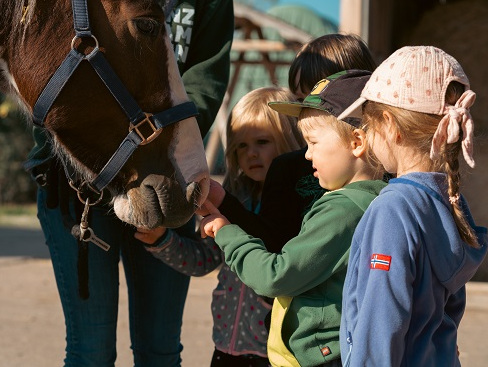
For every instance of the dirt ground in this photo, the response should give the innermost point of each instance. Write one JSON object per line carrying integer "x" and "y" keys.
{"x": 32, "y": 324}
{"x": 31, "y": 320}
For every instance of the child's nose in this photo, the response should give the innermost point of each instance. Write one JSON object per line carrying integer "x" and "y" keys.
{"x": 252, "y": 152}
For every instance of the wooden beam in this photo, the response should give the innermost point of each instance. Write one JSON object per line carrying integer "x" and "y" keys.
{"x": 257, "y": 45}
{"x": 286, "y": 30}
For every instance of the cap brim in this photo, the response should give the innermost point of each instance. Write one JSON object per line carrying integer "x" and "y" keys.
{"x": 354, "y": 110}
{"x": 287, "y": 108}
{"x": 293, "y": 108}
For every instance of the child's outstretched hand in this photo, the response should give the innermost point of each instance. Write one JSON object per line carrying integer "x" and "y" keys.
{"x": 216, "y": 195}
{"x": 149, "y": 236}
{"x": 211, "y": 223}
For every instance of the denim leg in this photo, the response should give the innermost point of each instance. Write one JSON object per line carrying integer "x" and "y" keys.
{"x": 157, "y": 297}
{"x": 90, "y": 324}
{"x": 157, "y": 294}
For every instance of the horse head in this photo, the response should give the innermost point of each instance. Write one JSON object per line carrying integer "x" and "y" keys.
{"x": 163, "y": 181}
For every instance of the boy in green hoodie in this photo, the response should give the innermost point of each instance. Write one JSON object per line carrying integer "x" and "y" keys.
{"x": 307, "y": 277}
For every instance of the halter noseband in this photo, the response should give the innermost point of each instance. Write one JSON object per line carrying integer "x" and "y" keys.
{"x": 136, "y": 116}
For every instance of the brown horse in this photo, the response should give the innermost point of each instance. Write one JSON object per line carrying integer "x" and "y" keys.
{"x": 163, "y": 181}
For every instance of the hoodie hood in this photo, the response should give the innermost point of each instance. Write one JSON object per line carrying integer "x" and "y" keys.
{"x": 454, "y": 265}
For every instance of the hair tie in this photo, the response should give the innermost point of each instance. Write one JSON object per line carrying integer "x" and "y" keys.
{"x": 448, "y": 130}
{"x": 454, "y": 199}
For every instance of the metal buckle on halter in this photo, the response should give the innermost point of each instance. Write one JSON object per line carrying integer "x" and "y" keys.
{"x": 137, "y": 127}
{"x": 80, "y": 191}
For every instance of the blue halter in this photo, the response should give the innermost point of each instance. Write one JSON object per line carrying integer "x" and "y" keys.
{"x": 136, "y": 116}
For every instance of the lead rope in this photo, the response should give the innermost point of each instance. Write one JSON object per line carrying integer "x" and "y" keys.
{"x": 84, "y": 234}
{"x": 58, "y": 185}
{"x": 82, "y": 264}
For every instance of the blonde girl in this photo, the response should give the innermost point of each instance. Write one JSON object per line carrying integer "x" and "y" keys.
{"x": 417, "y": 245}
{"x": 250, "y": 115}
{"x": 255, "y": 136}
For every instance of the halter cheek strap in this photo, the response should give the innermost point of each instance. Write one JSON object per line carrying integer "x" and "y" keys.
{"x": 448, "y": 130}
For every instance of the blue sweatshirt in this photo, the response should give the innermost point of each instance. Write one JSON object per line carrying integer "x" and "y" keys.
{"x": 404, "y": 294}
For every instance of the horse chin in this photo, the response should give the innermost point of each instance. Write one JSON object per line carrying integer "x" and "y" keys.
{"x": 158, "y": 202}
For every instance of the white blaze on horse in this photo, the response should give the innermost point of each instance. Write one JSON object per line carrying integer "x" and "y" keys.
{"x": 102, "y": 78}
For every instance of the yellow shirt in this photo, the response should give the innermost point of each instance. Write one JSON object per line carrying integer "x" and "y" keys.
{"x": 278, "y": 353}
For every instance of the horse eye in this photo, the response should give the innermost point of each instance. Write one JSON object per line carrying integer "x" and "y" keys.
{"x": 147, "y": 26}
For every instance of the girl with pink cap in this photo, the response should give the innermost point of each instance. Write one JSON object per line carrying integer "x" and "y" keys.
{"x": 417, "y": 244}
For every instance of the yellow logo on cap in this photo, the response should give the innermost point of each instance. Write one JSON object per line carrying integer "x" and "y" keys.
{"x": 320, "y": 86}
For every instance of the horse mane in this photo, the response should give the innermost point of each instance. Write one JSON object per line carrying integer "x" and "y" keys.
{"x": 8, "y": 9}
{"x": 14, "y": 17}
{"x": 13, "y": 21}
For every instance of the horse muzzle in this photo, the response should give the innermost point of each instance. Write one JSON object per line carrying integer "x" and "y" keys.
{"x": 161, "y": 201}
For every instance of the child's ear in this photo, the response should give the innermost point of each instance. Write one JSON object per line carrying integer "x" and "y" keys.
{"x": 359, "y": 143}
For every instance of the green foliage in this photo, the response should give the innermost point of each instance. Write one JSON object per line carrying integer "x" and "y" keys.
{"x": 16, "y": 186}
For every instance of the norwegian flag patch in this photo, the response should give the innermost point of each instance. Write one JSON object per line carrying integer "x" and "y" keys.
{"x": 380, "y": 262}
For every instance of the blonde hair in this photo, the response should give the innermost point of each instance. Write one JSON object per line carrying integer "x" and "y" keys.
{"x": 342, "y": 128}
{"x": 417, "y": 130}
{"x": 252, "y": 111}
{"x": 325, "y": 120}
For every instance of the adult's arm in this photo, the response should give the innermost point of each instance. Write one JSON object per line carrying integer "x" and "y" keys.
{"x": 206, "y": 67}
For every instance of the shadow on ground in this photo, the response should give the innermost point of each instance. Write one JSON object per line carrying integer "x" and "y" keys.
{"x": 22, "y": 242}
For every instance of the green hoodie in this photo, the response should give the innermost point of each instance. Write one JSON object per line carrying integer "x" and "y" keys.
{"x": 311, "y": 269}
{"x": 202, "y": 38}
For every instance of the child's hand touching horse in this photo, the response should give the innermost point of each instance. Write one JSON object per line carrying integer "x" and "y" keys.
{"x": 211, "y": 223}
{"x": 212, "y": 219}
{"x": 215, "y": 196}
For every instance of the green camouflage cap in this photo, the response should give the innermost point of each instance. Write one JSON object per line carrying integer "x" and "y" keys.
{"x": 332, "y": 94}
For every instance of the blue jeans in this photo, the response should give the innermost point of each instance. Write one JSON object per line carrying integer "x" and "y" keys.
{"x": 156, "y": 293}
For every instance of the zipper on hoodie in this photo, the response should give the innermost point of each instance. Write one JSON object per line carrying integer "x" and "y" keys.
{"x": 347, "y": 362}
{"x": 236, "y": 322}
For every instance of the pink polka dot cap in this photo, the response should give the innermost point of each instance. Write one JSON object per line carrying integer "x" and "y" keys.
{"x": 416, "y": 78}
